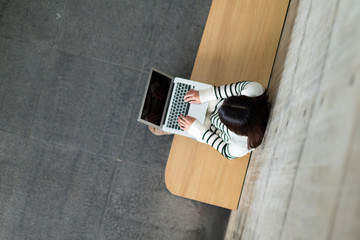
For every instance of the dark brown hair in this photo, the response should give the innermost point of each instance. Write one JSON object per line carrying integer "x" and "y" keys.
{"x": 246, "y": 116}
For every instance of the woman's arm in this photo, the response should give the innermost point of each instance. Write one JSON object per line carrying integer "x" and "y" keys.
{"x": 247, "y": 88}
{"x": 201, "y": 133}
{"x": 227, "y": 149}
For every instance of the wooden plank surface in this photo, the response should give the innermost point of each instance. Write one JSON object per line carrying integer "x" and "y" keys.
{"x": 239, "y": 43}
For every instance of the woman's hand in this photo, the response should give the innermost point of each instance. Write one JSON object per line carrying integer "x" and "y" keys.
{"x": 185, "y": 122}
{"x": 192, "y": 96}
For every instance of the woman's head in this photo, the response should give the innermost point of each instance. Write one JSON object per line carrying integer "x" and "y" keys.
{"x": 246, "y": 116}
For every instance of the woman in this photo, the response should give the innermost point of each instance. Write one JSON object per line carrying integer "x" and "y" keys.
{"x": 236, "y": 118}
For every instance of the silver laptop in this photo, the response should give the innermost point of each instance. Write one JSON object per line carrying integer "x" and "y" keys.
{"x": 164, "y": 101}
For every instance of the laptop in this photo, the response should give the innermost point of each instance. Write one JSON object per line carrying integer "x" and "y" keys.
{"x": 163, "y": 102}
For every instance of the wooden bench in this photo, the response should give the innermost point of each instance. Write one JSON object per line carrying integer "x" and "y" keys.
{"x": 239, "y": 42}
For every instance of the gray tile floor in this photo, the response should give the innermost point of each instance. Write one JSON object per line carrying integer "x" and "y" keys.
{"x": 74, "y": 163}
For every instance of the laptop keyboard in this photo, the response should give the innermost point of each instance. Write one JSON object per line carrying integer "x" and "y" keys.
{"x": 179, "y": 106}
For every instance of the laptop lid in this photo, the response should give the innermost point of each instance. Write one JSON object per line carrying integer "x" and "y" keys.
{"x": 156, "y": 98}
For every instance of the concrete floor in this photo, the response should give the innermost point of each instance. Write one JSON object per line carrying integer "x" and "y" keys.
{"x": 74, "y": 163}
{"x": 303, "y": 181}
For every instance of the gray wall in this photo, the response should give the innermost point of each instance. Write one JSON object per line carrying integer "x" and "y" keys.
{"x": 303, "y": 183}
{"x": 74, "y": 162}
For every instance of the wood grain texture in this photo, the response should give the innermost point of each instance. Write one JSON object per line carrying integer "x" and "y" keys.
{"x": 239, "y": 43}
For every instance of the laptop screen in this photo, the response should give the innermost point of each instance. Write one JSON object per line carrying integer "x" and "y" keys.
{"x": 155, "y": 99}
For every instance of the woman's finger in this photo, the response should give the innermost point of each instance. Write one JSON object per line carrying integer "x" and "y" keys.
{"x": 189, "y": 98}
{"x": 181, "y": 120}
{"x": 184, "y": 119}
{"x": 185, "y": 122}
{"x": 192, "y": 96}
{"x": 191, "y": 92}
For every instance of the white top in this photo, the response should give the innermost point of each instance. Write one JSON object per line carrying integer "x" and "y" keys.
{"x": 213, "y": 131}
